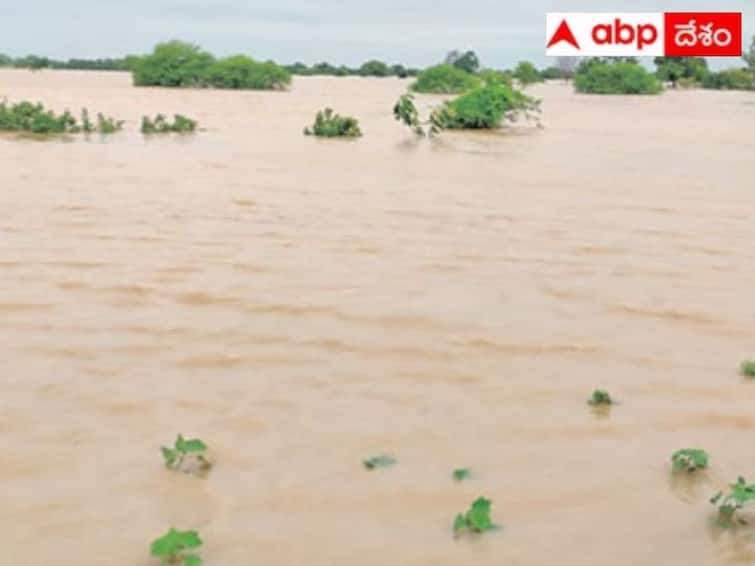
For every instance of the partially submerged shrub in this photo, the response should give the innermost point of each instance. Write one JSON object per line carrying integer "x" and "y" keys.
{"x": 747, "y": 368}
{"x": 526, "y": 73}
{"x": 689, "y": 459}
{"x": 461, "y": 474}
{"x": 740, "y": 494}
{"x": 29, "y": 117}
{"x": 444, "y": 79}
{"x": 492, "y": 76}
{"x": 467, "y": 61}
{"x": 730, "y": 79}
{"x": 242, "y": 72}
{"x": 173, "y": 63}
{"x": 329, "y": 124}
{"x": 174, "y": 548}
{"x": 477, "y": 519}
{"x": 615, "y": 77}
{"x": 485, "y": 107}
{"x": 161, "y": 125}
{"x": 600, "y": 397}
{"x": 184, "y": 451}
{"x": 680, "y": 71}
{"x": 180, "y": 64}
{"x": 406, "y": 112}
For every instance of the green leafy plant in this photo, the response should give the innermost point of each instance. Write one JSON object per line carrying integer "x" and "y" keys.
{"x": 598, "y": 76}
{"x": 379, "y": 462}
{"x": 485, "y": 107}
{"x": 740, "y": 494}
{"x": 27, "y": 117}
{"x": 181, "y": 64}
{"x": 731, "y": 79}
{"x": 526, "y": 73}
{"x": 173, "y": 548}
{"x": 689, "y": 459}
{"x": 108, "y": 125}
{"x": 406, "y": 112}
{"x": 161, "y": 125}
{"x": 182, "y": 449}
{"x": 329, "y": 124}
{"x": 600, "y": 397}
{"x": 476, "y": 519}
{"x": 461, "y": 474}
{"x": 680, "y": 71}
{"x": 467, "y": 61}
{"x": 444, "y": 79}
{"x": 174, "y": 64}
{"x": 242, "y": 72}
{"x": 747, "y": 368}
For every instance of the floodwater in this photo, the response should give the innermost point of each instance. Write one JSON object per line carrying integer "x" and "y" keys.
{"x": 304, "y": 304}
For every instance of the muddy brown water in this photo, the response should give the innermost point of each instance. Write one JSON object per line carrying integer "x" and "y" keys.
{"x": 304, "y": 304}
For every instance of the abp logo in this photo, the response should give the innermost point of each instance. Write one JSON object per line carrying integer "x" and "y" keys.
{"x": 649, "y": 34}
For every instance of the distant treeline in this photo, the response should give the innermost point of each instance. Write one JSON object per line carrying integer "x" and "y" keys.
{"x": 37, "y": 62}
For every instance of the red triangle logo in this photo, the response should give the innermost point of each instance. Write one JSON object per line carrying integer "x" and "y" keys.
{"x": 563, "y": 33}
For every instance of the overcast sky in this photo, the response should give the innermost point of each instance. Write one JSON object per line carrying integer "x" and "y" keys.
{"x": 413, "y": 32}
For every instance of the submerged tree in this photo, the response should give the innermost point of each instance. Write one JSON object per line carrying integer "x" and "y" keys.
{"x": 526, "y": 73}
{"x": 467, "y": 61}
{"x": 675, "y": 69}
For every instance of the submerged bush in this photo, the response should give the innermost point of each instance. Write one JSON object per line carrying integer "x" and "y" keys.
{"x": 329, "y": 124}
{"x": 526, "y": 73}
{"x": 747, "y": 368}
{"x": 681, "y": 71}
{"x": 180, "y": 64}
{"x": 161, "y": 125}
{"x": 444, "y": 79}
{"x": 240, "y": 71}
{"x": 615, "y": 77}
{"x": 174, "y": 63}
{"x": 600, "y": 397}
{"x": 29, "y": 117}
{"x": 740, "y": 494}
{"x": 485, "y": 107}
{"x": 730, "y": 79}
{"x": 689, "y": 460}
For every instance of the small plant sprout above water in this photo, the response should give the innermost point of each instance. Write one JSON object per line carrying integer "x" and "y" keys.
{"x": 183, "y": 452}
{"x": 477, "y": 519}
{"x": 331, "y": 125}
{"x": 689, "y": 460}
{"x": 405, "y": 112}
{"x": 740, "y": 494}
{"x": 747, "y": 368}
{"x": 600, "y": 398}
{"x": 161, "y": 125}
{"x": 379, "y": 462}
{"x": 461, "y": 474}
{"x": 172, "y": 548}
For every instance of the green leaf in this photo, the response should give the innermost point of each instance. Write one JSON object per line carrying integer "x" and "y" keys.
{"x": 747, "y": 368}
{"x": 192, "y": 560}
{"x": 193, "y": 445}
{"x": 379, "y": 462}
{"x": 174, "y": 542}
{"x": 461, "y": 474}
{"x": 478, "y": 516}
{"x": 600, "y": 397}
{"x": 460, "y": 523}
{"x": 169, "y": 455}
{"x": 689, "y": 459}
